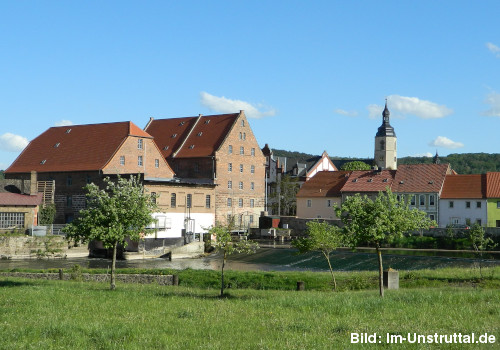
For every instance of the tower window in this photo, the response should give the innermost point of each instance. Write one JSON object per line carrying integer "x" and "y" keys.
{"x": 382, "y": 145}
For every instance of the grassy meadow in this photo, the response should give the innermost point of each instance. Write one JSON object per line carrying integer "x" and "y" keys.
{"x": 39, "y": 314}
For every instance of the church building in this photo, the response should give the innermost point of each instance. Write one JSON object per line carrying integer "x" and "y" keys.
{"x": 385, "y": 144}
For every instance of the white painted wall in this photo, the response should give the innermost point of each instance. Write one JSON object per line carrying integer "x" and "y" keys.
{"x": 324, "y": 165}
{"x": 319, "y": 208}
{"x": 170, "y": 225}
{"x": 460, "y": 212}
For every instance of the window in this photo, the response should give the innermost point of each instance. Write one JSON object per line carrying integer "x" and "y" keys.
{"x": 244, "y": 136}
{"x": 229, "y": 202}
{"x": 139, "y": 160}
{"x": 479, "y": 222}
{"x": 467, "y": 204}
{"x": 498, "y": 204}
{"x": 252, "y": 169}
{"x": 207, "y": 201}
{"x": 413, "y": 199}
{"x": 157, "y": 163}
{"x": 89, "y": 179}
{"x": 173, "y": 200}
{"x": 122, "y": 160}
{"x": 8, "y": 220}
{"x": 252, "y": 202}
{"x": 139, "y": 144}
{"x": 189, "y": 199}
{"x": 229, "y": 184}
{"x": 230, "y": 149}
{"x": 196, "y": 167}
{"x": 252, "y": 186}
{"x": 309, "y": 203}
{"x": 478, "y": 204}
{"x": 467, "y": 221}
{"x": 153, "y": 197}
{"x": 422, "y": 200}
{"x": 451, "y": 204}
{"x": 69, "y": 201}
{"x": 328, "y": 203}
{"x": 431, "y": 216}
{"x": 69, "y": 180}
{"x": 250, "y": 219}
{"x": 241, "y": 135}
{"x": 240, "y": 186}
{"x": 242, "y": 122}
{"x": 431, "y": 200}
{"x": 240, "y": 202}
{"x": 229, "y": 167}
{"x": 252, "y": 152}
{"x": 242, "y": 150}
{"x": 382, "y": 145}
{"x": 241, "y": 168}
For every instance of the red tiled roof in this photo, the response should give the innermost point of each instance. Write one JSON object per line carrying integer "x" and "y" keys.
{"x": 13, "y": 199}
{"x": 324, "y": 184}
{"x": 493, "y": 185}
{"x": 464, "y": 186}
{"x": 420, "y": 178}
{"x": 195, "y": 136}
{"x": 74, "y": 147}
{"x": 369, "y": 181}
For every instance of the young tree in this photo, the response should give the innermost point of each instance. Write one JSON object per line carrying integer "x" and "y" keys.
{"x": 355, "y": 165}
{"x": 225, "y": 245}
{"x": 285, "y": 195}
{"x": 321, "y": 237}
{"x": 480, "y": 243}
{"x": 122, "y": 210}
{"x": 378, "y": 221}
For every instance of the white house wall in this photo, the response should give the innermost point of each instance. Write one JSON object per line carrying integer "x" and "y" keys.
{"x": 459, "y": 213}
{"x": 324, "y": 165}
{"x": 170, "y": 225}
{"x": 319, "y": 208}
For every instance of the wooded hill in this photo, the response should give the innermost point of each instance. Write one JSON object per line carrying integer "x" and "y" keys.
{"x": 465, "y": 163}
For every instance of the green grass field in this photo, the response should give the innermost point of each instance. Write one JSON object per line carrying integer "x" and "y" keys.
{"x": 37, "y": 314}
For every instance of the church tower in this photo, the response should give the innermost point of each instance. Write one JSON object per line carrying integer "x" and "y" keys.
{"x": 385, "y": 144}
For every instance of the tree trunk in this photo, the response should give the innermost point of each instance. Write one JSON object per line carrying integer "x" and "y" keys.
{"x": 222, "y": 275}
{"x": 113, "y": 267}
{"x": 380, "y": 271}
{"x": 327, "y": 256}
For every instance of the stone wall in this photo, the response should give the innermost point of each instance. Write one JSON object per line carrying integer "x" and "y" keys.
{"x": 29, "y": 247}
{"x": 163, "y": 280}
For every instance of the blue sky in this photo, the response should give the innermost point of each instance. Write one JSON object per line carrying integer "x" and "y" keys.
{"x": 311, "y": 75}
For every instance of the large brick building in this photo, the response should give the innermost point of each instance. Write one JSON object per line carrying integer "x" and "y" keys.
{"x": 73, "y": 156}
{"x": 217, "y": 149}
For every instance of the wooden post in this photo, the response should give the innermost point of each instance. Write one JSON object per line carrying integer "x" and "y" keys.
{"x": 301, "y": 285}
{"x": 175, "y": 280}
{"x": 61, "y": 274}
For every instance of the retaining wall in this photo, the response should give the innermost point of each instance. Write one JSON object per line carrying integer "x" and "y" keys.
{"x": 163, "y": 280}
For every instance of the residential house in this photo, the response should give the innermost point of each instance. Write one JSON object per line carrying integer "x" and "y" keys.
{"x": 421, "y": 185}
{"x": 77, "y": 155}
{"x": 220, "y": 150}
{"x": 368, "y": 182}
{"x": 318, "y": 196}
{"x": 463, "y": 200}
{"x": 493, "y": 198}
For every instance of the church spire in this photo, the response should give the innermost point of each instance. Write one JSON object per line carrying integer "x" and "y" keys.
{"x": 386, "y": 129}
{"x": 436, "y": 159}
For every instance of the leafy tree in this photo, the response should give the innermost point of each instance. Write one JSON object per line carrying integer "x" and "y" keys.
{"x": 285, "y": 195}
{"x": 321, "y": 237}
{"x": 378, "y": 221}
{"x": 480, "y": 243}
{"x": 47, "y": 214}
{"x": 355, "y": 165}
{"x": 225, "y": 245}
{"x": 122, "y": 210}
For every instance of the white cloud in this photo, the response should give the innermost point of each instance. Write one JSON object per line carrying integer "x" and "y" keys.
{"x": 402, "y": 105}
{"x": 225, "y": 105}
{"x": 445, "y": 142}
{"x": 346, "y": 113}
{"x": 493, "y": 99}
{"x": 426, "y": 154}
{"x": 63, "y": 122}
{"x": 13, "y": 143}
{"x": 493, "y": 49}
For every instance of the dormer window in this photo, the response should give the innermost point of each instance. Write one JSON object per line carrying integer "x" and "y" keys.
{"x": 56, "y": 145}
{"x": 181, "y": 123}
{"x": 174, "y": 135}
{"x": 207, "y": 121}
{"x": 385, "y": 180}
{"x": 370, "y": 180}
{"x": 200, "y": 133}
{"x": 43, "y": 161}
{"x": 191, "y": 147}
{"x": 165, "y": 148}
{"x": 68, "y": 131}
